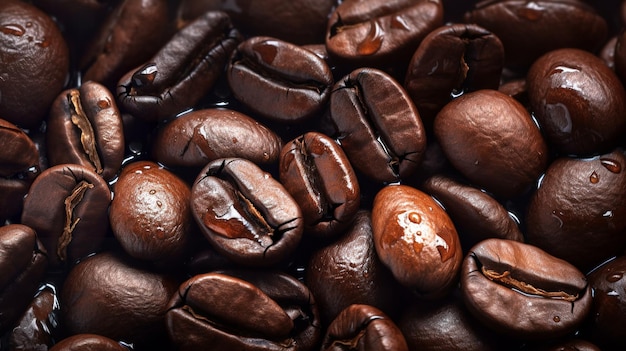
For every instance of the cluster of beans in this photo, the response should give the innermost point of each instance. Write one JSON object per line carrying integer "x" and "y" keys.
{"x": 312, "y": 175}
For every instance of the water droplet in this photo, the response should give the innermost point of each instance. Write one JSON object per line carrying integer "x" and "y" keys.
{"x": 614, "y": 277}
{"x": 373, "y": 41}
{"x": 556, "y": 319}
{"x": 267, "y": 50}
{"x": 557, "y": 215}
{"x": 531, "y": 12}
{"x": 608, "y": 214}
{"x": 44, "y": 43}
{"x": 415, "y": 217}
{"x": 159, "y": 203}
{"x": 152, "y": 192}
{"x": 13, "y": 29}
{"x": 145, "y": 75}
{"x": 103, "y": 104}
{"x": 612, "y": 293}
{"x": 399, "y": 22}
{"x": 594, "y": 178}
{"x": 611, "y": 165}
{"x": 29, "y": 24}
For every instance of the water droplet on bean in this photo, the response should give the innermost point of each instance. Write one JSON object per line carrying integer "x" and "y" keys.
{"x": 594, "y": 178}
{"x": 611, "y": 165}
{"x": 12, "y": 29}
{"x": 399, "y": 22}
{"x": 373, "y": 41}
{"x": 415, "y": 217}
{"x": 103, "y": 104}
{"x": 614, "y": 277}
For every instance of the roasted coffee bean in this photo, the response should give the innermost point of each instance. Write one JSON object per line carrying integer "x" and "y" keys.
{"x": 88, "y": 342}
{"x": 476, "y": 215}
{"x": 246, "y": 214}
{"x": 363, "y": 327}
{"x": 451, "y": 60}
{"x": 416, "y": 240}
{"x": 607, "y": 320}
{"x": 446, "y": 324}
{"x": 522, "y": 291}
{"x": 132, "y": 33}
{"x": 38, "y": 326}
{"x": 578, "y": 101}
{"x": 316, "y": 172}
{"x": 529, "y": 29}
{"x": 111, "y": 295}
{"x": 377, "y": 125}
{"x": 150, "y": 214}
{"x": 578, "y": 211}
{"x": 19, "y": 165}
{"x": 199, "y": 137}
{"x": 85, "y": 127}
{"x": 372, "y": 32}
{"x": 348, "y": 271}
{"x": 279, "y": 80}
{"x": 182, "y": 71}
{"x": 491, "y": 139}
{"x": 67, "y": 205}
{"x": 243, "y": 310}
{"x": 23, "y": 262}
{"x": 575, "y": 344}
{"x": 35, "y": 63}
{"x": 297, "y": 21}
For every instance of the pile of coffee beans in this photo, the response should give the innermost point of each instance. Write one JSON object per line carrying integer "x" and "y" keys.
{"x": 312, "y": 175}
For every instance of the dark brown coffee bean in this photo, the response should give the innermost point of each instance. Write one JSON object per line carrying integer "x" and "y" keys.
{"x": 578, "y": 211}
{"x": 348, "y": 271}
{"x": 377, "y": 125}
{"x": 363, "y": 327}
{"x": 578, "y": 101}
{"x": 243, "y": 310}
{"x": 150, "y": 213}
{"x": 85, "y": 128}
{"x": 23, "y": 262}
{"x": 37, "y": 326}
{"x": 372, "y": 32}
{"x": 475, "y": 214}
{"x": 522, "y": 291}
{"x": 607, "y": 326}
{"x": 182, "y": 71}
{"x": 279, "y": 80}
{"x": 199, "y": 137}
{"x": 35, "y": 63}
{"x": 67, "y": 205}
{"x": 246, "y": 214}
{"x": 574, "y": 344}
{"x": 416, "y": 240}
{"x": 19, "y": 165}
{"x": 316, "y": 172}
{"x": 451, "y": 60}
{"x": 492, "y": 140}
{"x": 88, "y": 342}
{"x": 131, "y": 33}
{"x": 529, "y": 29}
{"x": 109, "y": 294}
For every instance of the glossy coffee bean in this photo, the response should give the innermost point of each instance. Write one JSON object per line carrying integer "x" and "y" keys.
{"x": 363, "y": 327}
{"x": 475, "y": 214}
{"x": 529, "y": 29}
{"x": 300, "y": 21}
{"x": 377, "y": 125}
{"x": 348, "y": 271}
{"x": 38, "y": 326}
{"x": 372, "y": 32}
{"x": 578, "y": 101}
{"x": 199, "y": 137}
{"x": 416, "y": 240}
{"x": 150, "y": 213}
{"x": 30, "y": 44}
{"x": 607, "y": 319}
{"x": 85, "y": 127}
{"x": 19, "y": 165}
{"x": 67, "y": 206}
{"x": 522, "y": 291}
{"x": 182, "y": 71}
{"x": 577, "y": 212}
{"x": 316, "y": 172}
{"x": 130, "y": 34}
{"x": 243, "y": 310}
{"x": 246, "y": 214}
{"x": 109, "y": 294}
{"x": 88, "y": 342}
{"x": 23, "y": 262}
{"x": 451, "y": 60}
{"x": 492, "y": 140}
{"x": 279, "y": 80}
